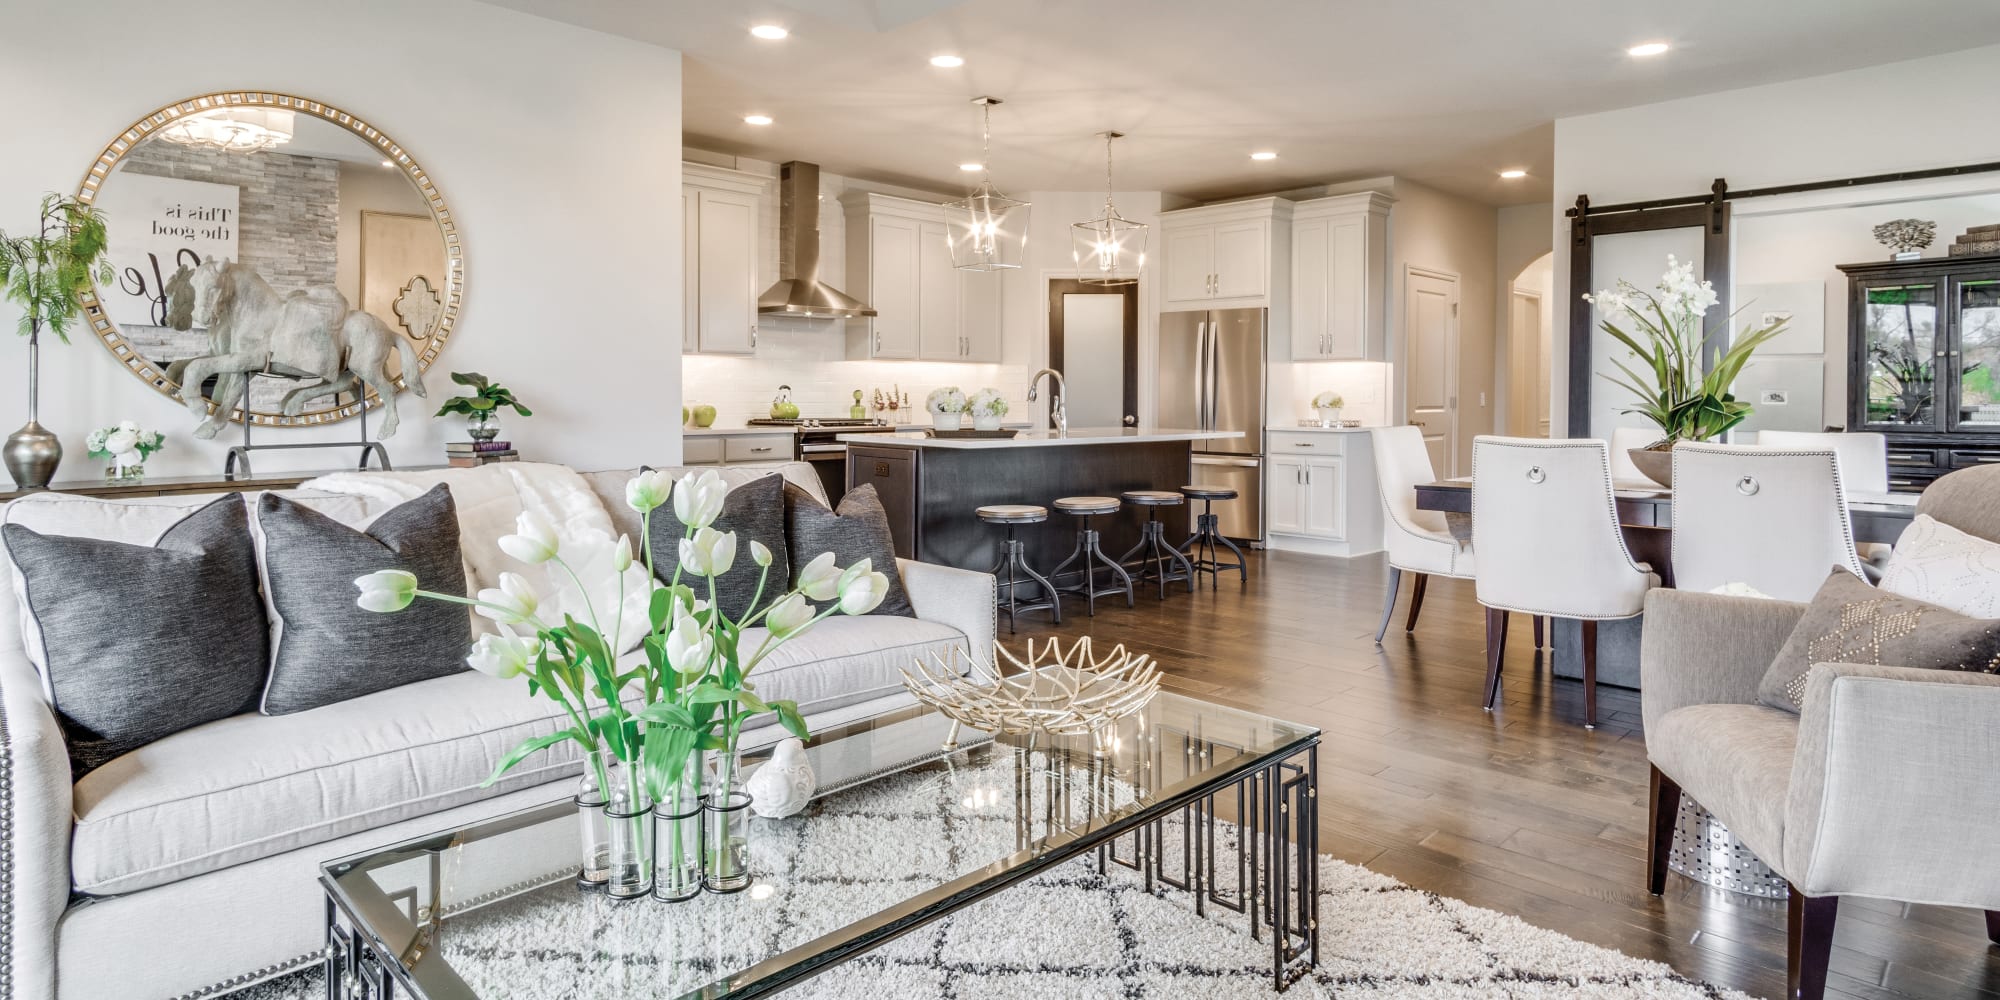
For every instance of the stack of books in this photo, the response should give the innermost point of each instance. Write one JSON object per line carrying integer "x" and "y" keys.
{"x": 1977, "y": 241}
{"x": 470, "y": 454}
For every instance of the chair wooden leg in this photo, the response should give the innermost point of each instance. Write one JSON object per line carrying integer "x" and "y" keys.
{"x": 1993, "y": 926}
{"x": 1589, "y": 650}
{"x": 1665, "y": 807}
{"x": 1496, "y": 649}
{"x": 1538, "y": 630}
{"x": 1809, "y": 943}
{"x": 1389, "y": 603}
{"x": 1416, "y": 601}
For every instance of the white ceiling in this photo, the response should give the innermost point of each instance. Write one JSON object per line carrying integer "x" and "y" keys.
{"x": 1447, "y": 92}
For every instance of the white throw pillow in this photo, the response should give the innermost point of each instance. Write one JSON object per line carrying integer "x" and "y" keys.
{"x": 1939, "y": 564}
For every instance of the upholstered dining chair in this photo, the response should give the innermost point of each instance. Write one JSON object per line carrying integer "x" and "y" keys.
{"x": 1623, "y": 440}
{"x": 1545, "y": 524}
{"x": 1864, "y": 468}
{"x": 1418, "y": 540}
{"x": 1774, "y": 519}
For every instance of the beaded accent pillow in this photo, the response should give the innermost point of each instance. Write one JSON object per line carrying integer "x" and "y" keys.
{"x": 1850, "y": 621}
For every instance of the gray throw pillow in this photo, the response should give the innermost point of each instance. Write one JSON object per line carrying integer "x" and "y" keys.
{"x": 329, "y": 649}
{"x": 755, "y": 511}
{"x": 145, "y": 641}
{"x": 858, "y": 530}
{"x": 1850, "y": 621}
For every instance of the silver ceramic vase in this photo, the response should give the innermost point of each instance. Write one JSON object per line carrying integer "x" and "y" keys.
{"x": 32, "y": 454}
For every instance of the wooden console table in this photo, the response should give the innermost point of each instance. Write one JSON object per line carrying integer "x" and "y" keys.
{"x": 161, "y": 486}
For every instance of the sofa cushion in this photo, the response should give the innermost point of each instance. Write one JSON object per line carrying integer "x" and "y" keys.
{"x": 143, "y": 641}
{"x": 253, "y": 786}
{"x": 1939, "y": 564}
{"x": 1850, "y": 621}
{"x": 857, "y": 530}
{"x": 1736, "y": 760}
{"x": 755, "y": 511}
{"x": 329, "y": 649}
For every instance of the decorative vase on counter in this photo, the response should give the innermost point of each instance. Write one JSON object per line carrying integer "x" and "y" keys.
{"x": 1329, "y": 416}
{"x": 986, "y": 422}
{"x": 947, "y": 421}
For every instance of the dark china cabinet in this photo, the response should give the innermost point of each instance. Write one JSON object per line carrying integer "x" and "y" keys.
{"x": 1923, "y": 363}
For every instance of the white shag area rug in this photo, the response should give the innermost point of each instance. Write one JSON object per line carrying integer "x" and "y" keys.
{"x": 1072, "y": 933}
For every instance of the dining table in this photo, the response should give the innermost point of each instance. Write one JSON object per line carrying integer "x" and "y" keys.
{"x": 1646, "y": 519}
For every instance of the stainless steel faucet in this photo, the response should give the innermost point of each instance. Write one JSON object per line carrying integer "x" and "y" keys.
{"x": 1058, "y": 413}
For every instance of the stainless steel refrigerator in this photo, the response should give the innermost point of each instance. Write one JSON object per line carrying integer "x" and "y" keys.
{"x": 1212, "y": 378}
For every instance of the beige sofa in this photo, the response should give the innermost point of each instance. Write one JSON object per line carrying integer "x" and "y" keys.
{"x": 189, "y": 867}
{"x": 1883, "y": 788}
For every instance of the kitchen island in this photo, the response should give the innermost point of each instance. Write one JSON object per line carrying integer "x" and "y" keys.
{"x": 931, "y": 487}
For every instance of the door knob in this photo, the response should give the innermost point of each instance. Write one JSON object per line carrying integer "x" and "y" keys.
{"x": 1130, "y": 420}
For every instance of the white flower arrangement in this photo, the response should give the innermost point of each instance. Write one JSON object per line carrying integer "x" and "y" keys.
{"x": 950, "y": 399}
{"x": 989, "y": 403}
{"x": 1328, "y": 401}
{"x": 125, "y": 444}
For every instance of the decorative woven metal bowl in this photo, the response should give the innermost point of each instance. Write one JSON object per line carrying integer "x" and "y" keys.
{"x": 1055, "y": 691}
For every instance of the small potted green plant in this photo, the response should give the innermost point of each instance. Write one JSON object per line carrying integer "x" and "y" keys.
{"x": 43, "y": 274}
{"x": 482, "y": 408}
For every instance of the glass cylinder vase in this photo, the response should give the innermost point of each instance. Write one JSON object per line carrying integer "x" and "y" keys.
{"x": 677, "y": 822}
{"x": 595, "y": 867}
{"x": 726, "y": 840}
{"x": 628, "y": 815}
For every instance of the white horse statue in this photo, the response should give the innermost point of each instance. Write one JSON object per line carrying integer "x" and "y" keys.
{"x": 255, "y": 330}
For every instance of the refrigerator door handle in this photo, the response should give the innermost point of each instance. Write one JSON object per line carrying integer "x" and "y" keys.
{"x": 1214, "y": 378}
{"x": 1200, "y": 383}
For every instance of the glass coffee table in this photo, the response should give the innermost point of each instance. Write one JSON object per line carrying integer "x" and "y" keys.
{"x": 1218, "y": 803}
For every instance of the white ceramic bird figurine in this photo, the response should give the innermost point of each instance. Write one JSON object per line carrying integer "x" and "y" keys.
{"x": 784, "y": 784}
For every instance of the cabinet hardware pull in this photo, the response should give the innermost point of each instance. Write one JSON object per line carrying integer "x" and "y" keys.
{"x": 760, "y": 450}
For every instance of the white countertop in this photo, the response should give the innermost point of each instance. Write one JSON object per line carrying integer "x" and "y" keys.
{"x": 1043, "y": 438}
{"x": 1315, "y": 429}
{"x": 734, "y": 429}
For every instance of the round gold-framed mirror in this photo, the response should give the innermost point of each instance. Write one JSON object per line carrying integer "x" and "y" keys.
{"x": 324, "y": 215}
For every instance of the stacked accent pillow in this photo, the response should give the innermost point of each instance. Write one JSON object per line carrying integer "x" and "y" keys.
{"x": 1850, "y": 621}
{"x": 1942, "y": 565}
{"x": 756, "y": 512}
{"x": 143, "y": 641}
{"x": 327, "y": 648}
{"x": 858, "y": 530}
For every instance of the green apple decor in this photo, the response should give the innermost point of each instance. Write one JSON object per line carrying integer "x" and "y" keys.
{"x": 704, "y": 415}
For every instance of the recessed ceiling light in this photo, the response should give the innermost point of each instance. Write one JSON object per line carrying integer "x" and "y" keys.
{"x": 947, "y": 62}
{"x": 1647, "y": 49}
{"x": 1512, "y": 175}
{"x": 770, "y": 32}
{"x": 756, "y": 119}
{"x": 970, "y": 167}
{"x": 1263, "y": 154}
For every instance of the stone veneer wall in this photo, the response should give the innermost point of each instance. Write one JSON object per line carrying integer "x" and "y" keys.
{"x": 288, "y": 206}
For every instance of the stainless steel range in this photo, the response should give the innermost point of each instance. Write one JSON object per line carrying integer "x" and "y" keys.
{"x": 813, "y": 441}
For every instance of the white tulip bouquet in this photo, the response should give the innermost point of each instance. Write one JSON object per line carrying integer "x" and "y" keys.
{"x": 694, "y": 683}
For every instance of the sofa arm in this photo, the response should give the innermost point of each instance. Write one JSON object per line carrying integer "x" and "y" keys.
{"x": 960, "y": 598}
{"x": 1707, "y": 649}
{"x": 1893, "y": 790}
{"x": 34, "y": 830}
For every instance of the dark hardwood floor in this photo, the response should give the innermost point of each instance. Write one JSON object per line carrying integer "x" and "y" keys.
{"x": 1521, "y": 810}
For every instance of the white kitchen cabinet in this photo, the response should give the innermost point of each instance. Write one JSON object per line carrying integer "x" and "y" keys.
{"x": 1320, "y": 494}
{"x": 721, "y": 215}
{"x": 1285, "y": 495}
{"x": 898, "y": 260}
{"x": 1326, "y": 498}
{"x": 1224, "y": 256}
{"x": 1339, "y": 279}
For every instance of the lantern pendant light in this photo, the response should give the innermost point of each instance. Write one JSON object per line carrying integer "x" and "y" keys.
{"x": 986, "y": 230}
{"x": 1110, "y": 249}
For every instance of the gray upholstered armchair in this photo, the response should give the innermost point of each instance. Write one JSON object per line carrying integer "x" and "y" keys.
{"x": 1885, "y": 787}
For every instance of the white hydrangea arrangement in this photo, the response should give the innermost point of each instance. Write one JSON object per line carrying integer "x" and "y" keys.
{"x": 1328, "y": 401}
{"x": 949, "y": 399}
{"x": 125, "y": 445}
{"x": 989, "y": 403}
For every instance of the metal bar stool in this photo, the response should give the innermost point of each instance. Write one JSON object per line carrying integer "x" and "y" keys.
{"x": 1088, "y": 550}
{"x": 1208, "y": 537}
{"x": 1159, "y": 560}
{"x": 1012, "y": 560}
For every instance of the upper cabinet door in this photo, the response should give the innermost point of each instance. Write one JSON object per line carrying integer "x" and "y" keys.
{"x": 1346, "y": 276}
{"x": 727, "y": 262}
{"x": 1190, "y": 263}
{"x": 1242, "y": 259}
{"x": 938, "y": 335}
{"x": 979, "y": 312}
{"x": 894, "y": 283}
{"x": 1311, "y": 259}
{"x": 690, "y": 270}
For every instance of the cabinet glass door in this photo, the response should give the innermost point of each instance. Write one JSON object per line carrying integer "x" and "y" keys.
{"x": 1900, "y": 327}
{"x": 1977, "y": 361}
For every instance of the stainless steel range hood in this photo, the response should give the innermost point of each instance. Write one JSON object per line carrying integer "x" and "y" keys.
{"x": 799, "y": 292}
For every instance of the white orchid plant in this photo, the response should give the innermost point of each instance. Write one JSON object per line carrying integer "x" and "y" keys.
{"x": 126, "y": 444}
{"x": 989, "y": 403}
{"x": 693, "y": 685}
{"x": 949, "y": 399}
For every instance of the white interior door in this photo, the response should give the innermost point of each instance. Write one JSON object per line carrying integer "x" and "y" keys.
{"x": 1430, "y": 336}
{"x": 1093, "y": 328}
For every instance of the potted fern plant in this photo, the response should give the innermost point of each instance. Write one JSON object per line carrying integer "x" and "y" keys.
{"x": 482, "y": 407}
{"x": 1667, "y": 340}
{"x": 43, "y": 274}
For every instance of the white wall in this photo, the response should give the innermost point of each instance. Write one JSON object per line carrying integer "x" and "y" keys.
{"x": 1523, "y": 239}
{"x": 1902, "y": 116}
{"x": 1431, "y": 229}
{"x": 557, "y": 149}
